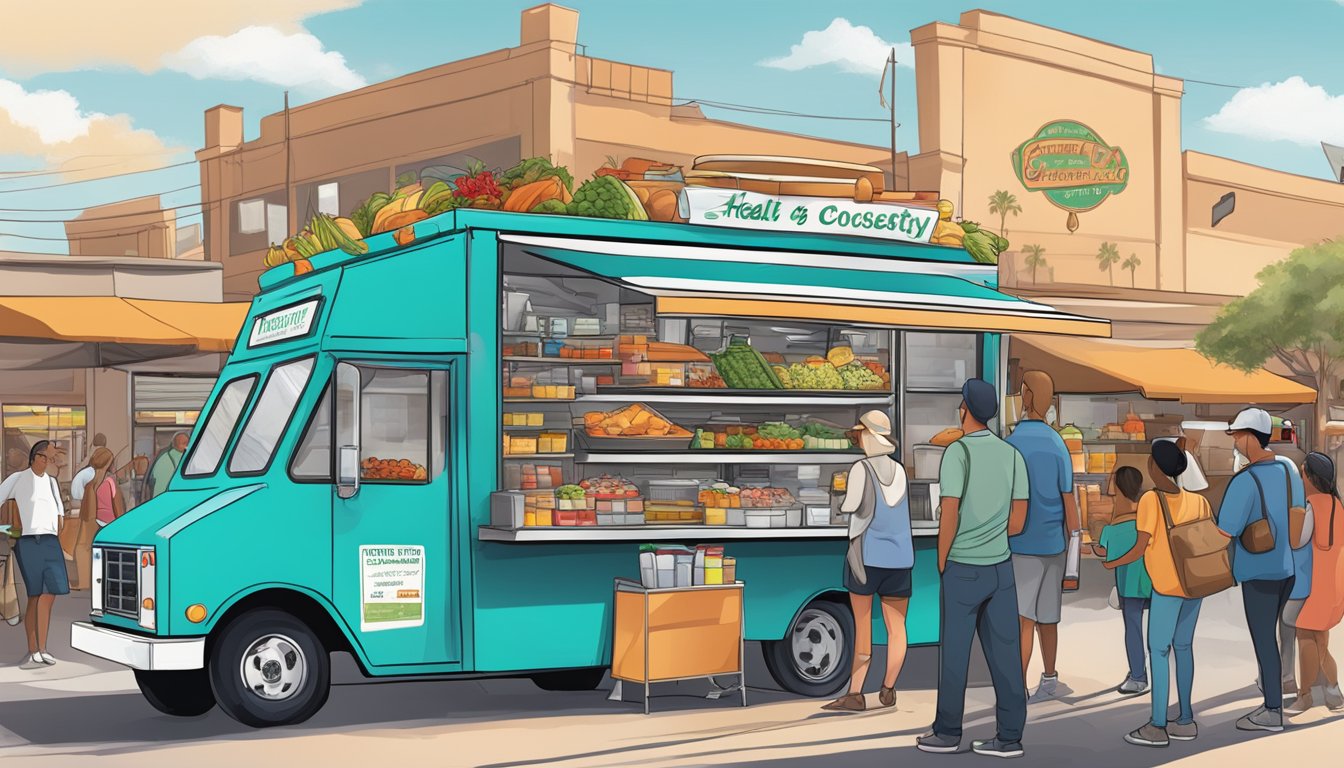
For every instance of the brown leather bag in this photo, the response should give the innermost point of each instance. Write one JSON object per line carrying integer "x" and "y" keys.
{"x": 1258, "y": 537}
{"x": 1199, "y": 552}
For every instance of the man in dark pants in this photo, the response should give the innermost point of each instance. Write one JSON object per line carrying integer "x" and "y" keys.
{"x": 983, "y": 483}
{"x": 1262, "y": 489}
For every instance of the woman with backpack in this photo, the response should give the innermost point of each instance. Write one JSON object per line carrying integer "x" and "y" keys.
{"x": 880, "y": 558}
{"x": 1175, "y": 609}
{"x": 1324, "y": 607}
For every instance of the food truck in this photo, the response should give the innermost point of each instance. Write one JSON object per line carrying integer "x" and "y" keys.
{"x": 438, "y": 455}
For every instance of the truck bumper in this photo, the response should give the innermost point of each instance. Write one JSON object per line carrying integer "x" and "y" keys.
{"x": 136, "y": 652}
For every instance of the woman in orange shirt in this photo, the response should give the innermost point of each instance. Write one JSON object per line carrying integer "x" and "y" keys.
{"x": 1172, "y": 615}
{"x": 1324, "y": 607}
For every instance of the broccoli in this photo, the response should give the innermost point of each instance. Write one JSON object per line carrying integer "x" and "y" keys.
{"x": 607, "y": 197}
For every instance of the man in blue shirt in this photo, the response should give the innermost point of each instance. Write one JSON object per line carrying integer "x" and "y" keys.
{"x": 1039, "y": 548}
{"x": 1263, "y": 489}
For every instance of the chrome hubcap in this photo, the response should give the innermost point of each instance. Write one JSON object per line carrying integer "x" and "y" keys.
{"x": 274, "y": 668}
{"x": 817, "y": 640}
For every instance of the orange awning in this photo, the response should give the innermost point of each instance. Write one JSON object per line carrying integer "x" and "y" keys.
{"x": 210, "y": 327}
{"x": 1082, "y": 366}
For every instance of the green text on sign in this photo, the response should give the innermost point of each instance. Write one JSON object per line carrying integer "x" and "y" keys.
{"x": 1071, "y": 165}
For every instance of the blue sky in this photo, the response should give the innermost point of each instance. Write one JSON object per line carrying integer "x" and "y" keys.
{"x": 715, "y": 48}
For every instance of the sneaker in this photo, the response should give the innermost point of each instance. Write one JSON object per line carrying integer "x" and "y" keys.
{"x": 938, "y": 745}
{"x": 996, "y": 748}
{"x": 1049, "y": 689}
{"x": 1132, "y": 687}
{"x": 886, "y": 697}
{"x": 1334, "y": 700}
{"x": 47, "y": 658}
{"x": 1262, "y": 719}
{"x": 850, "y": 702}
{"x": 1300, "y": 705}
{"x": 1148, "y": 736}
{"x": 1182, "y": 731}
{"x": 33, "y": 662}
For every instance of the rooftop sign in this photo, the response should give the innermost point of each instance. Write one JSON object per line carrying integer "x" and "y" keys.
{"x": 819, "y": 215}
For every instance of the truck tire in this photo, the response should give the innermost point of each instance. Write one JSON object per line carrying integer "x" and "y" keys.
{"x": 268, "y": 668}
{"x": 814, "y": 658}
{"x": 586, "y": 679}
{"x": 180, "y": 693}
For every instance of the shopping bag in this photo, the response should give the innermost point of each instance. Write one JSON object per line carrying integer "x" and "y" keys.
{"x": 1114, "y": 599}
{"x": 10, "y": 610}
{"x": 1072, "y": 561}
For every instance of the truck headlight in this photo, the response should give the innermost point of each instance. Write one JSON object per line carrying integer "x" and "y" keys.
{"x": 147, "y": 606}
{"x": 97, "y": 589}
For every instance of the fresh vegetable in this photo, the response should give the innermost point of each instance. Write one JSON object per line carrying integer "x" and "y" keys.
{"x": 778, "y": 430}
{"x": 275, "y": 256}
{"x": 554, "y": 207}
{"x": 856, "y": 375}
{"x": 303, "y": 267}
{"x": 478, "y": 184}
{"x": 607, "y": 197}
{"x": 840, "y": 356}
{"x": 535, "y": 169}
{"x": 662, "y": 205}
{"x": 528, "y": 196}
{"x": 362, "y": 217}
{"x": 398, "y": 220}
{"x": 571, "y": 492}
{"x": 982, "y": 245}
{"x": 742, "y": 367}
{"x": 808, "y": 376}
{"x": 405, "y": 235}
{"x": 406, "y": 199}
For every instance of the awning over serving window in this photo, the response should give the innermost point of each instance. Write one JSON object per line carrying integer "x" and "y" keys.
{"x": 207, "y": 327}
{"x": 1084, "y": 366}
{"x": 738, "y": 283}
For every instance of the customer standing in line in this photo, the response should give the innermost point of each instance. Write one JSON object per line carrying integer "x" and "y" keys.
{"x": 1132, "y": 584}
{"x": 984, "y": 487}
{"x": 1260, "y": 491}
{"x": 1324, "y": 607}
{"x": 880, "y": 559}
{"x": 41, "y": 516}
{"x": 1040, "y": 549}
{"x": 101, "y": 505}
{"x": 1173, "y": 614}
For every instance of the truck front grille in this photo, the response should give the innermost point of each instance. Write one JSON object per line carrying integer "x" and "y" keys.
{"x": 121, "y": 587}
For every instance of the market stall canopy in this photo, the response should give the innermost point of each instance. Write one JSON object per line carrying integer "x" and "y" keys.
{"x": 770, "y": 284}
{"x": 44, "y": 332}
{"x": 1082, "y": 366}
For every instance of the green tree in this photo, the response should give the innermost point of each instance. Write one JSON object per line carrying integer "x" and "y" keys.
{"x": 1132, "y": 264}
{"x": 1108, "y": 255}
{"x": 1035, "y": 259}
{"x": 1002, "y": 203}
{"x": 1295, "y": 316}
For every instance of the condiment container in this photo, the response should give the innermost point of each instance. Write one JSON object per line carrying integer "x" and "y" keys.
{"x": 685, "y": 568}
{"x": 648, "y": 571}
{"x": 714, "y": 565}
{"x": 665, "y": 561}
{"x": 730, "y": 570}
{"x": 698, "y": 569}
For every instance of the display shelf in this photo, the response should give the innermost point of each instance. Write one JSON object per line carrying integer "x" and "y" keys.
{"x": 534, "y": 456}
{"x": 520, "y": 428}
{"x": 538, "y": 400}
{"x": 550, "y": 337}
{"x": 608, "y": 361}
{"x": 716, "y": 396}
{"x": 646, "y": 533}
{"x": 717, "y": 457}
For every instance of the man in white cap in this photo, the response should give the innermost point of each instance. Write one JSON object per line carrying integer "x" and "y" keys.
{"x": 1263, "y": 490}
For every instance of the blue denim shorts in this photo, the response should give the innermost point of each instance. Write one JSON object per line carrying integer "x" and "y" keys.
{"x": 42, "y": 565}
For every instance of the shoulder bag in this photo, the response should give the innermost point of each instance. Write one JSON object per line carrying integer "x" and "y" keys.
{"x": 1199, "y": 553}
{"x": 1297, "y": 516}
{"x": 1258, "y": 536}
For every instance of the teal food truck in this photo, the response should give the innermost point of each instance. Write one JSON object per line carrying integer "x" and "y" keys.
{"x": 377, "y": 470}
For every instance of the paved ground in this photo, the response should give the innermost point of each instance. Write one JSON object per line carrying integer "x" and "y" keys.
{"x": 84, "y": 708}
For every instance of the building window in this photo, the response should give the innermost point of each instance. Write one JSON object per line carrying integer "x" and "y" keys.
{"x": 277, "y": 223}
{"x": 329, "y": 199}
{"x": 251, "y": 217}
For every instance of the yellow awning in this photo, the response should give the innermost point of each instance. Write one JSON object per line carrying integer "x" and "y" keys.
{"x": 1081, "y": 366}
{"x": 962, "y": 319}
{"x": 109, "y": 319}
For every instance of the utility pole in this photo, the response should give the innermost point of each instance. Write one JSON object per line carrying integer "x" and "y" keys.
{"x": 289, "y": 206}
{"x": 890, "y": 104}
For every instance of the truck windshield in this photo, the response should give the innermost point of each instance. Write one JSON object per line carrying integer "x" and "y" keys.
{"x": 219, "y": 427}
{"x": 270, "y": 417}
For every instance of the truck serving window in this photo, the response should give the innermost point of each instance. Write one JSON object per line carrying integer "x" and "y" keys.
{"x": 270, "y": 417}
{"x": 219, "y": 426}
{"x": 312, "y": 459}
{"x": 394, "y": 426}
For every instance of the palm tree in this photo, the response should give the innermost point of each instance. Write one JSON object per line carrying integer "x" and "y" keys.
{"x": 1107, "y": 257}
{"x": 1003, "y": 203}
{"x": 1035, "y": 259}
{"x": 1132, "y": 264}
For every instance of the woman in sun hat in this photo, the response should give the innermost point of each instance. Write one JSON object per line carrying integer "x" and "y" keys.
{"x": 880, "y": 558}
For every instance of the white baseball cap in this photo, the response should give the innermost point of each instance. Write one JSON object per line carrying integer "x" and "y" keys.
{"x": 1252, "y": 418}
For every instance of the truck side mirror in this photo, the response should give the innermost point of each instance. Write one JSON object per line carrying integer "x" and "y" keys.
{"x": 347, "y": 472}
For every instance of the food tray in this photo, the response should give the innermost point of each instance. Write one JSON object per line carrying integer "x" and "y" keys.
{"x": 640, "y": 443}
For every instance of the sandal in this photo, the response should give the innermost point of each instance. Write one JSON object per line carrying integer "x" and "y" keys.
{"x": 850, "y": 702}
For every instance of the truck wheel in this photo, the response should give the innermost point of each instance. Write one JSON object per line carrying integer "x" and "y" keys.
{"x": 184, "y": 693}
{"x": 586, "y": 679}
{"x": 268, "y": 668}
{"x": 814, "y": 657}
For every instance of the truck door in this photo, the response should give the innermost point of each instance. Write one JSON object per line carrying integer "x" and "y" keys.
{"x": 391, "y": 547}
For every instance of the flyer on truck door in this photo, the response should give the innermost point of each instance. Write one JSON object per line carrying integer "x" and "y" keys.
{"x": 392, "y": 585}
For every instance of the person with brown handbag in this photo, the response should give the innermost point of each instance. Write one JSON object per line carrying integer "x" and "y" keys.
{"x": 1187, "y": 561}
{"x": 1255, "y": 514}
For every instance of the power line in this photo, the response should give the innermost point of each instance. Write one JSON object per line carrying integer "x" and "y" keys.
{"x": 775, "y": 112}
{"x": 100, "y": 178}
{"x": 62, "y": 169}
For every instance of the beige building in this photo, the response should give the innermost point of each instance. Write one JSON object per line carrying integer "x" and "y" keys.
{"x": 138, "y": 227}
{"x": 539, "y": 98}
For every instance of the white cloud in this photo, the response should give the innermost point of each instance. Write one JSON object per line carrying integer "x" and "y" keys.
{"x": 1293, "y": 110}
{"x": 852, "y": 48}
{"x": 267, "y": 55}
{"x": 50, "y": 125}
{"x": 58, "y": 37}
